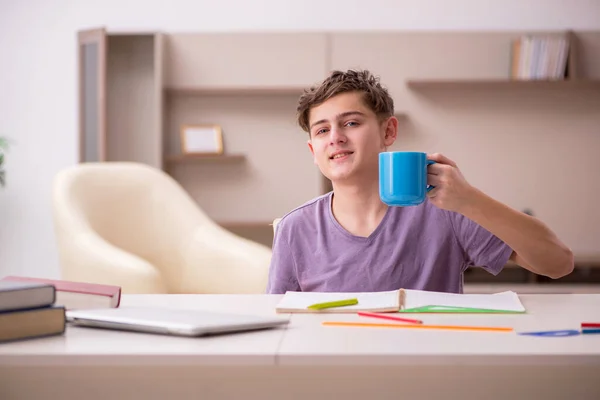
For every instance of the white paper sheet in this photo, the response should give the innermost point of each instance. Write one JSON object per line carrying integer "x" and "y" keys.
{"x": 373, "y": 301}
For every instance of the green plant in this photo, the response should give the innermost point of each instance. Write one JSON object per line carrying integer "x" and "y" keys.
{"x": 3, "y": 149}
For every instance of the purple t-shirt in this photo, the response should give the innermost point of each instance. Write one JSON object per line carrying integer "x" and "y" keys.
{"x": 417, "y": 247}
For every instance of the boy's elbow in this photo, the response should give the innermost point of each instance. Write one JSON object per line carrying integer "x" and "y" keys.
{"x": 564, "y": 265}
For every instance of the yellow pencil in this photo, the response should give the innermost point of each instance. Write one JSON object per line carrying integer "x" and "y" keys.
{"x": 451, "y": 327}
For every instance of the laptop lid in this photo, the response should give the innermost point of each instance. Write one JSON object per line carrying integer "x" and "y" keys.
{"x": 181, "y": 322}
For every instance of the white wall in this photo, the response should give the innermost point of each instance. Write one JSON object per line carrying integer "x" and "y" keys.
{"x": 38, "y": 74}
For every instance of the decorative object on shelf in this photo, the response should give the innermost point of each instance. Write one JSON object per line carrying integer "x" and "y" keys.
{"x": 3, "y": 149}
{"x": 201, "y": 140}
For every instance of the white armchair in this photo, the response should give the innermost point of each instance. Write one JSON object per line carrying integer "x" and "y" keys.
{"x": 132, "y": 225}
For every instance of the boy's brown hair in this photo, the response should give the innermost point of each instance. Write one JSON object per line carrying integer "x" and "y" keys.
{"x": 375, "y": 96}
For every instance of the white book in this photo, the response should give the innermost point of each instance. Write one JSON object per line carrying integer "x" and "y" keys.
{"x": 402, "y": 300}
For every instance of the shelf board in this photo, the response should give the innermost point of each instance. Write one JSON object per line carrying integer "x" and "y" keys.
{"x": 225, "y": 158}
{"x": 246, "y": 224}
{"x": 132, "y": 33}
{"x": 191, "y": 91}
{"x": 502, "y": 83}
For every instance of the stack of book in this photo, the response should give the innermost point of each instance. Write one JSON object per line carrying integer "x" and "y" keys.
{"x": 539, "y": 57}
{"x": 77, "y": 295}
{"x": 33, "y": 307}
{"x": 28, "y": 310}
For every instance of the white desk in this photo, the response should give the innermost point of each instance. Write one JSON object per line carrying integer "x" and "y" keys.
{"x": 308, "y": 359}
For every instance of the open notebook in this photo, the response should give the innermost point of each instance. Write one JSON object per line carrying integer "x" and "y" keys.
{"x": 404, "y": 300}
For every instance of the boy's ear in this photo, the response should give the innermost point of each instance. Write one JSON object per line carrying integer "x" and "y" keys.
{"x": 390, "y": 131}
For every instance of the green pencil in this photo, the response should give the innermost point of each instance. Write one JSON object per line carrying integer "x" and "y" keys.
{"x": 331, "y": 304}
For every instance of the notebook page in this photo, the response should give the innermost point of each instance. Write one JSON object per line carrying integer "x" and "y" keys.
{"x": 367, "y": 301}
{"x": 505, "y": 301}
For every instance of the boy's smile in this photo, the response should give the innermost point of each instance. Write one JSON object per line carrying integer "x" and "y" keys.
{"x": 341, "y": 155}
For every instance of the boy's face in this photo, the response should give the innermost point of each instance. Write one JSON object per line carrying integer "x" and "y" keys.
{"x": 346, "y": 137}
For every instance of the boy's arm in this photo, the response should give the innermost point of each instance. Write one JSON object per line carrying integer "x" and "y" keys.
{"x": 282, "y": 271}
{"x": 535, "y": 247}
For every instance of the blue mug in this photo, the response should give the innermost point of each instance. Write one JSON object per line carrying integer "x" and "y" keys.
{"x": 403, "y": 177}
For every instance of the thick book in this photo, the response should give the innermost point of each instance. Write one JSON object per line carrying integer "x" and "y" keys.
{"x": 32, "y": 323}
{"x": 78, "y": 295}
{"x": 15, "y": 295}
{"x": 402, "y": 300}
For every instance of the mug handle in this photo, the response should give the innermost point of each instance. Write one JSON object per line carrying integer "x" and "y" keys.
{"x": 429, "y": 187}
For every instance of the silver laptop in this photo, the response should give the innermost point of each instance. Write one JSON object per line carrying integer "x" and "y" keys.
{"x": 178, "y": 322}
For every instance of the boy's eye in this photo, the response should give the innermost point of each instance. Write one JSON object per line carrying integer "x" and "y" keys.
{"x": 321, "y": 131}
{"x": 351, "y": 123}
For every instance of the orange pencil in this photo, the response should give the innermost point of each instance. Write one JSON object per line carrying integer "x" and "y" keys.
{"x": 451, "y": 327}
{"x": 390, "y": 317}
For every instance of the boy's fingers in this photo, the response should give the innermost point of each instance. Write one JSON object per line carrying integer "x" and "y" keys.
{"x": 433, "y": 180}
{"x": 440, "y": 158}
{"x": 438, "y": 169}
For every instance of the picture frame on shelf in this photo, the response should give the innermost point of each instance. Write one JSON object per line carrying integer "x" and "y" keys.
{"x": 199, "y": 140}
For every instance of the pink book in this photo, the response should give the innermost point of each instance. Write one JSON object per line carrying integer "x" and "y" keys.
{"x": 78, "y": 295}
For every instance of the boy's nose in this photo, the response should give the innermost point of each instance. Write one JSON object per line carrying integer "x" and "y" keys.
{"x": 337, "y": 136}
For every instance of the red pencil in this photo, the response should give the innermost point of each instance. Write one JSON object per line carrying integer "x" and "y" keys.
{"x": 590, "y": 324}
{"x": 386, "y": 316}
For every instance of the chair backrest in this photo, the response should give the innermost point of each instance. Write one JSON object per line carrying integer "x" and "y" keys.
{"x": 132, "y": 206}
{"x": 275, "y": 222}
{"x": 145, "y": 212}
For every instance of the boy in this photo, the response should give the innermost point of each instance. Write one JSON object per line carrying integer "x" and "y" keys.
{"x": 350, "y": 241}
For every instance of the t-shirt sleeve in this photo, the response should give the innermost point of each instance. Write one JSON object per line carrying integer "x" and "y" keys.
{"x": 481, "y": 247}
{"x": 282, "y": 271}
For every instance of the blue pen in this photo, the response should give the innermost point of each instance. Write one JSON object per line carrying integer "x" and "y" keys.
{"x": 559, "y": 333}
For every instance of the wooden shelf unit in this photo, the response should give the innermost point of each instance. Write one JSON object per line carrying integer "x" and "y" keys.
{"x": 573, "y": 78}
{"x": 137, "y": 88}
{"x": 120, "y": 96}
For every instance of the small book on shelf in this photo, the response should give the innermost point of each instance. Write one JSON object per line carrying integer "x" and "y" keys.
{"x": 401, "y": 300}
{"x": 77, "y": 295}
{"x": 540, "y": 57}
